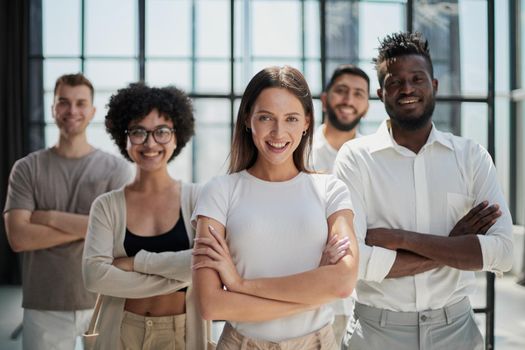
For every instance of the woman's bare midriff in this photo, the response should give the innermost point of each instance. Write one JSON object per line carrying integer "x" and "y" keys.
{"x": 160, "y": 305}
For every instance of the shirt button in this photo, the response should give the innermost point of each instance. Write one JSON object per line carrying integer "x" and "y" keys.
{"x": 423, "y": 318}
{"x": 149, "y": 323}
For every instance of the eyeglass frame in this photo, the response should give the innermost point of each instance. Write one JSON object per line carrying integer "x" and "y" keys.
{"x": 151, "y": 132}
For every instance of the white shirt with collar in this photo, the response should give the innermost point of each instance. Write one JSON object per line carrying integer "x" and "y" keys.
{"x": 323, "y": 154}
{"x": 427, "y": 192}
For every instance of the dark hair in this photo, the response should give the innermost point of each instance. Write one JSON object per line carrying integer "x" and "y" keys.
{"x": 243, "y": 152}
{"x": 137, "y": 100}
{"x": 401, "y": 44}
{"x": 348, "y": 69}
{"x": 74, "y": 80}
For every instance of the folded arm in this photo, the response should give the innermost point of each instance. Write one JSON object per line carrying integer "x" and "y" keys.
{"x": 317, "y": 286}
{"x": 461, "y": 252}
{"x": 99, "y": 273}
{"x": 216, "y": 303}
{"x": 24, "y": 234}
{"x": 74, "y": 224}
{"x": 422, "y": 252}
{"x": 172, "y": 265}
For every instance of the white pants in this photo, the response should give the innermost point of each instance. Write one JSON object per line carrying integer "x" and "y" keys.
{"x": 53, "y": 330}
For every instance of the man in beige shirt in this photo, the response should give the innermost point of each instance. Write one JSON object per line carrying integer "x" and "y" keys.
{"x": 46, "y": 212}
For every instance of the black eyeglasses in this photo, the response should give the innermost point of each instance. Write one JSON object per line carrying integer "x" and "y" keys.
{"x": 139, "y": 136}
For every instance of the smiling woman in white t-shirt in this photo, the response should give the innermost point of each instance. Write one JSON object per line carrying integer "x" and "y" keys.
{"x": 262, "y": 229}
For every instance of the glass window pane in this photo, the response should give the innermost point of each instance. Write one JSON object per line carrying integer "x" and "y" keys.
{"x": 54, "y": 68}
{"x": 51, "y": 135}
{"x": 258, "y": 65}
{"x": 212, "y": 111}
{"x": 239, "y": 22}
{"x": 474, "y": 122}
{"x": 212, "y": 137}
{"x": 375, "y": 21}
{"x": 276, "y": 19}
{"x": 101, "y": 101}
{"x": 181, "y": 168}
{"x": 48, "y": 103}
{"x": 473, "y": 47}
{"x": 163, "y": 38}
{"x": 373, "y": 118}
{"x": 61, "y": 27}
{"x": 313, "y": 77}
{"x": 164, "y": 72}
{"x": 312, "y": 30}
{"x": 213, "y": 28}
{"x": 97, "y": 136}
{"x": 457, "y": 34}
{"x": 212, "y": 147}
{"x": 212, "y": 77}
{"x": 111, "y": 28}
{"x": 108, "y": 74}
{"x": 318, "y": 113}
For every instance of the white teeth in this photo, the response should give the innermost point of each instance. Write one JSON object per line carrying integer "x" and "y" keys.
{"x": 277, "y": 144}
{"x": 408, "y": 101}
{"x": 150, "y": 154}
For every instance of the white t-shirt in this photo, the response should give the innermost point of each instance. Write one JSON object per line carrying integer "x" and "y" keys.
{"x": 275, "y": 229}
{"x": 323, "y": 154}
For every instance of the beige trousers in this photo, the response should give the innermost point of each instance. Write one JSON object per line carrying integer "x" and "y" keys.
{"x": 151, "y": 333}
{"x": 340, "y": 324}
{"x": 322, "y": 339}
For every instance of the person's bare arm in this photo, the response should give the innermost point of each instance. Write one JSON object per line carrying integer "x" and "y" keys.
{"x": 23, "y": 235}
{"x": 411, "y": 262}
{"x": 316, "y": 286}
{"x": 215, "y": 303}
{"x": 461, "y": 252}
{"x": 74, "y": 224}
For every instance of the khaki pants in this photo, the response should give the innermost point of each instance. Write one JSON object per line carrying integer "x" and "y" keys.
{"x": 322, "y": 339}
{"x": 150, "y": 333}
{"x": 452, "y": 327}
{"x": 340, "y": 324}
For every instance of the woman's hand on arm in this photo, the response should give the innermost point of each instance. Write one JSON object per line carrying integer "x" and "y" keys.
{"x": 215, "y": 303}
{"x": 335, "y": 249}
{"x": 215, "y": 248}
{"x": 314, "y": 287}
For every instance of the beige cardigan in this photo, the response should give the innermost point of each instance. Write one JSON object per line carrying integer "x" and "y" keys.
{"x": 155, "y": 273}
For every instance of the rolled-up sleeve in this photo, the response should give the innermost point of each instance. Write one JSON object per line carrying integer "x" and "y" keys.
{"x": 496, "y": 244}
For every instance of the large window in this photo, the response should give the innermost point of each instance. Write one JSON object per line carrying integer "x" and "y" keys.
{"x": 211, "y": 48}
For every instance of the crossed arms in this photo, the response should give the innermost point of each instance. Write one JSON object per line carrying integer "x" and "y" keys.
{"x": 417, "y": 252}
{"x": 40, "y": 229}
{"x": 267, "y": 298}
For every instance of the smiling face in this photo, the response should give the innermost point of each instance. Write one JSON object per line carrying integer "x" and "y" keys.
{"x": 277, "y": 122}
{"x": 346, "y": 102}
{"x": 408, "y": 91}
{"x": 151, "y": 155}
{"x": 72, "y": 109}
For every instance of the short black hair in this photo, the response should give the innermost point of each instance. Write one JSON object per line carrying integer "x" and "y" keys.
{"x": 402, "y": 44}
{"x": 136, "y": 101}
{"x": 348, "y": 69}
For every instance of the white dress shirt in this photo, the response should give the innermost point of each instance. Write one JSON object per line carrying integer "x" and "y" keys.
{"x": 323, "y": 154}
{"x": 427, "y": 192}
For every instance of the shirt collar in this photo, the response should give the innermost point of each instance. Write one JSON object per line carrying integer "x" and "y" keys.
{"x": 384, "y": 139}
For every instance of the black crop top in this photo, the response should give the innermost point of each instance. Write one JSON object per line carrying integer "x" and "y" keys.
{"x": 174, "y": 240}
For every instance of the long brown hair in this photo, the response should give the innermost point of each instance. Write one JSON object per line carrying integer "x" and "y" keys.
{"x": 243, "y": 151}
